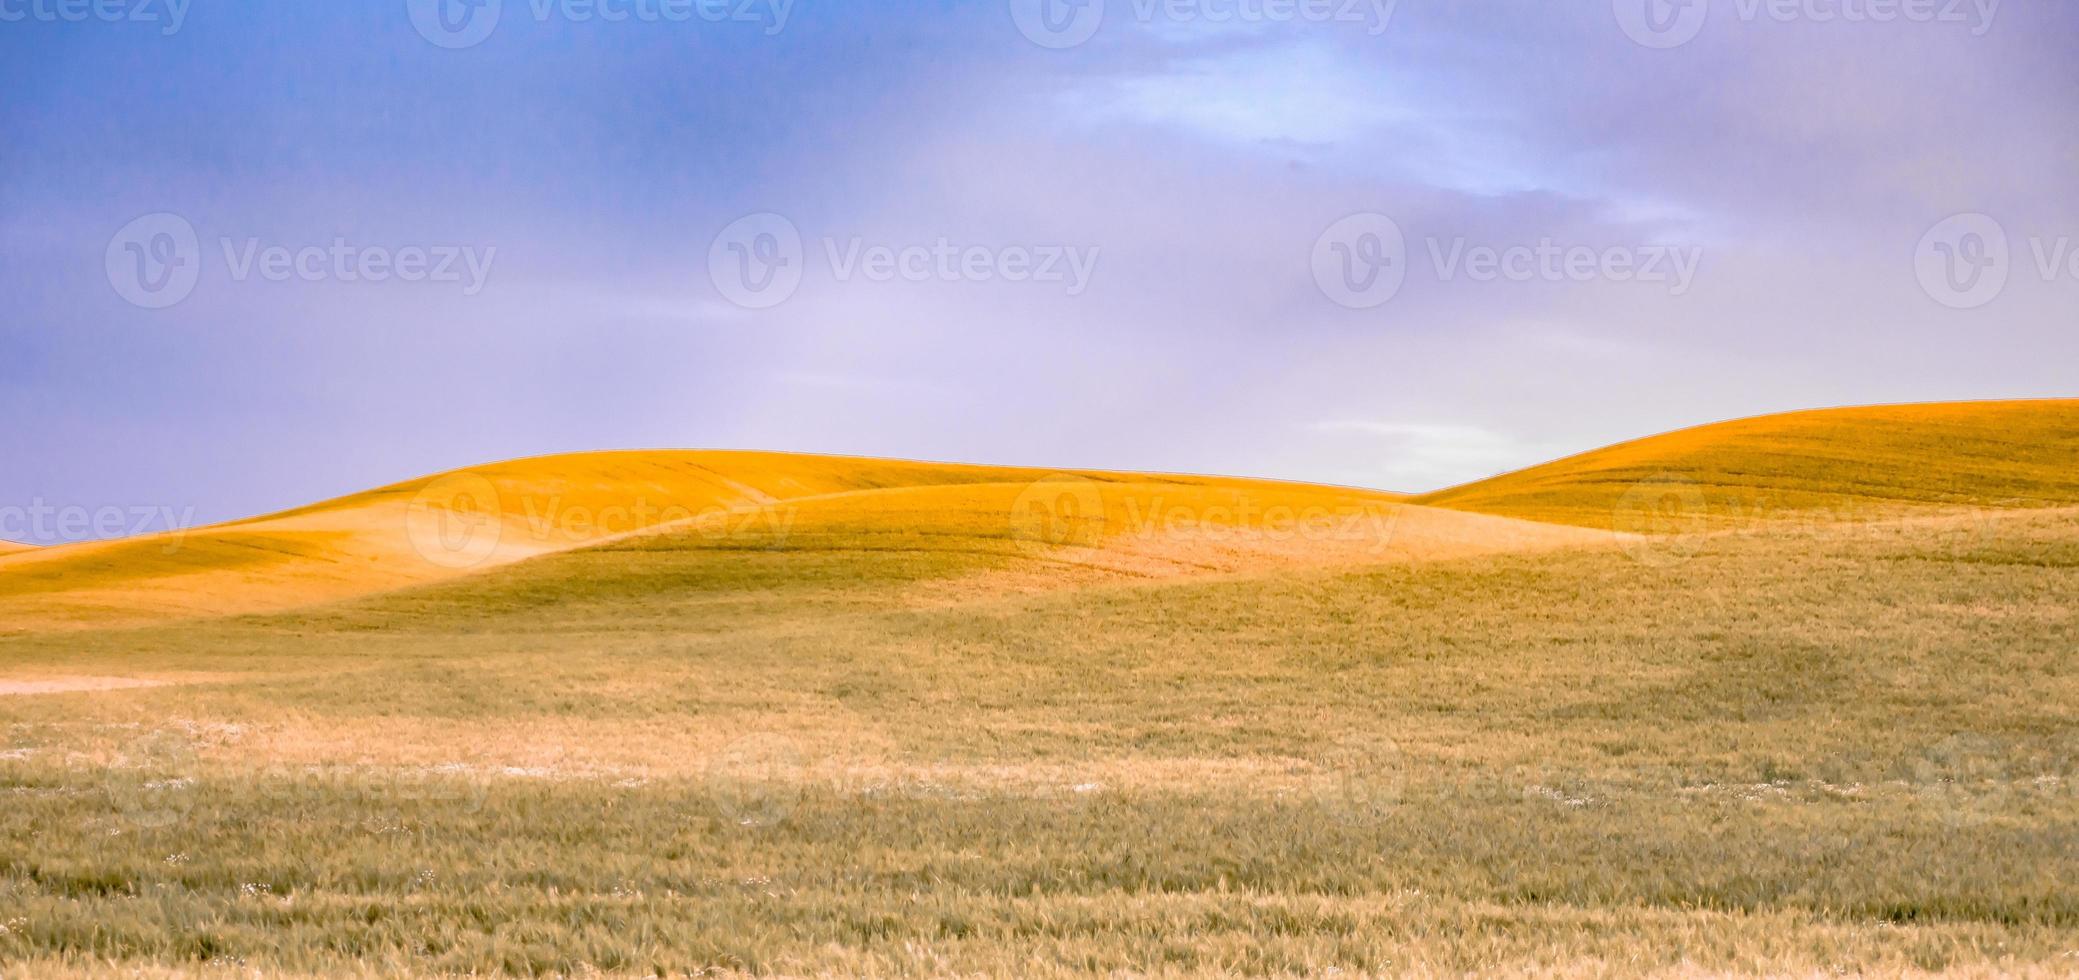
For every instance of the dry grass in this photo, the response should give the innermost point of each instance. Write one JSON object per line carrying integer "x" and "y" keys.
{"x": 844, "y": 744}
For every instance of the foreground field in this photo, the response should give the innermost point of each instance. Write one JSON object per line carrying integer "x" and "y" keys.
{"x": 1146, "y": 726}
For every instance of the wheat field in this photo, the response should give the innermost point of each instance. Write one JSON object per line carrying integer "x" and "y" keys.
{"x": 1786, "y": 696}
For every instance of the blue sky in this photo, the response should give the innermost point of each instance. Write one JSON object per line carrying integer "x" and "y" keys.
{"x": 1194, "y": 156}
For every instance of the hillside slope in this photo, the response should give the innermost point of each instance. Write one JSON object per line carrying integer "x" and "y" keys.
{"x": 1848, "y": 463}
{"x": 449, "y": 525}
{"x": 932, "y": 546}
{"x": 959, "y": 530}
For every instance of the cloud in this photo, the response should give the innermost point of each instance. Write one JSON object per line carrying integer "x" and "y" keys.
{"x": 1290, "y": 93}
{"x": 1422, "y": 456}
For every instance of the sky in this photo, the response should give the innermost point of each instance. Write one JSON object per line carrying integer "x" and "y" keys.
{"x": 257, "y": 254}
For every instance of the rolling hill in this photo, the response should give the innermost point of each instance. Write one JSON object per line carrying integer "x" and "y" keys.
{"x": 1848, "y": 463}
{"x": 409, "y": 533}
{"x": 938, "y": 546}
{"x": 947, "y": 530}
{"x": 453, "y": 524}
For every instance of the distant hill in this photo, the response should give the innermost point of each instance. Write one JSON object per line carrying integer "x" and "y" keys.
{"x": 643, "y": 523}
{"x": 1862, "y": 462}
{"x": 453, "y": 524}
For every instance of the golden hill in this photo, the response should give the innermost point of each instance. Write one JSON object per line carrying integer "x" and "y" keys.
{"x": 927, "y": 546}
{"x": 418, "y": 531}
{"x": 445, "y": 526}
{"x": 1847, "y": 464}
{"x": 945, "y": 531}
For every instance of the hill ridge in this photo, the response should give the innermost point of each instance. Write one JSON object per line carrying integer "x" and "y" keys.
{"x": 1883, "y": 461}
{"x": 440, "y": 526}
{"x": 1868, "y": 460}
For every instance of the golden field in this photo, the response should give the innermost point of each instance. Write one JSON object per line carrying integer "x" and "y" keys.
{"x": 1792, "y": 695}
